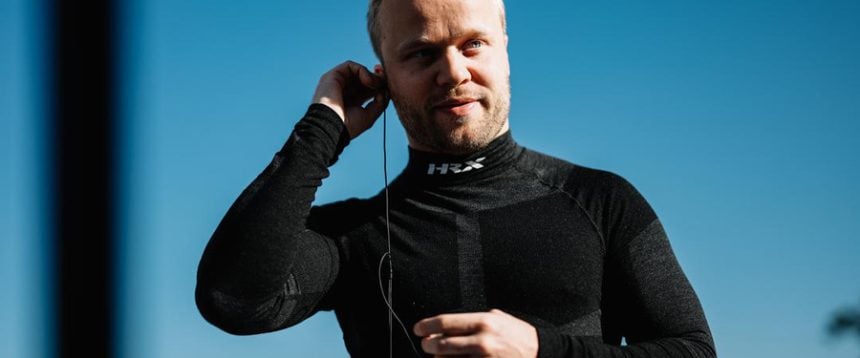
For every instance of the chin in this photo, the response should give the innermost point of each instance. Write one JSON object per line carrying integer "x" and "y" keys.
{"x": 463, "y": 142}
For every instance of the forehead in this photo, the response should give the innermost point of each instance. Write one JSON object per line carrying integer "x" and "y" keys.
{"x": 408, "y": 19}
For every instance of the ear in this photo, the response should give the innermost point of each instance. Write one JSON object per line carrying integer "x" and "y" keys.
{"x": 379, "y": 71}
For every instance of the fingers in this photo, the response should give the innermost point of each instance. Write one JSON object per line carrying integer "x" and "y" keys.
{"x": 452, "y": 324}
{"x": 452, "y": 334}
{"x": 346, "y": 89}
{"x": 457, "y": 345}
{"x": 485, "y": 334}
{"x": 374, "y": 108}
{"x": 359, "y": 84}
{"x": 350, "y": 70}
{"x": 348, "y": 83}
{"x": 368, "y": 78}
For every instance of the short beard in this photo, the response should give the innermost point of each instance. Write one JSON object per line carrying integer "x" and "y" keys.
{"x": 419, "y": 126}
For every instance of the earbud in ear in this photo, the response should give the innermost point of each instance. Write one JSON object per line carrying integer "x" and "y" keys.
{"x": 379, "y": 71}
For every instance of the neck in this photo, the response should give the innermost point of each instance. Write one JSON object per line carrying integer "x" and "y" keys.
{"x": 416, "y": 145}
{"x": 441, "y": 168}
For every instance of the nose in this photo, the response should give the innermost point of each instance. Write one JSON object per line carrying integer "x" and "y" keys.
{"x": 453, "y": 69}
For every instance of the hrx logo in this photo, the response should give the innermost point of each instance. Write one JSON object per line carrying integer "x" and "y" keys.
{"x": 455, "y": 168}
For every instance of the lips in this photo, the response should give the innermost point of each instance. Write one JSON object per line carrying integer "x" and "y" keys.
{"x": 456, "y": 106}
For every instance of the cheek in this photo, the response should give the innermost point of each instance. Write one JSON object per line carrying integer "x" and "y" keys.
{"x": 410, "y": 92}
{"x": 410, "y": 83}
{"x": 497, "y": 71}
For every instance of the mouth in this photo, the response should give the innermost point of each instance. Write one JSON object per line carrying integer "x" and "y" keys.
{"x": 458, "y": 107}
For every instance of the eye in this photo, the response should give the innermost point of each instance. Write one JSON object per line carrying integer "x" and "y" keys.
{"x": 423, "y": 53}
{"x": 473, "y": 47}
{"x": 422, "y": 57}
{"x": 475, "y": 44}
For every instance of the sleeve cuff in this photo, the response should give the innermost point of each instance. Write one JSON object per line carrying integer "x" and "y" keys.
{"x": 551, "y": 343}
{"x": 322, "y": 129}
{"x": 331, "y": 122}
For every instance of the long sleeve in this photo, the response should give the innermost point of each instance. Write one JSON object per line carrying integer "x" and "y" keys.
{"x": 262, "y": 269}
{"x": 647, "y": 299}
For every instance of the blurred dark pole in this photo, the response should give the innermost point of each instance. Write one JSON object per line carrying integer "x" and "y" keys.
{"x": 83, "y": 120}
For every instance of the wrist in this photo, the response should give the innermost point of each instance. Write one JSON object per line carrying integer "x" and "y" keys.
{"x": 331, "y": 104}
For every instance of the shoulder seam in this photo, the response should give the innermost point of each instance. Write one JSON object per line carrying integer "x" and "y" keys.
{"x": 579, "y": 205}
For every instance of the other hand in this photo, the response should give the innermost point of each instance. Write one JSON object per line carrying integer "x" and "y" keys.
{"x": 483, "y": 334}
{"x": 346, "y": 88}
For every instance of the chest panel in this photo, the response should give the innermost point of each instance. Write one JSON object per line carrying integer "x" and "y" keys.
{"x": 541, "y": 258}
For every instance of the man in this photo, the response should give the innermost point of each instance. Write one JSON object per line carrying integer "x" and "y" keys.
{"x": 497, "y": 250}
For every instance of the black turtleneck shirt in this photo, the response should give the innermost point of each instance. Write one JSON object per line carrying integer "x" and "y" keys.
{"x": 576, "y": 252}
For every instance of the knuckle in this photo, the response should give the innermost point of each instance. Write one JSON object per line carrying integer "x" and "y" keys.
{"x": 485, "y": 345}
{"x": 443, "y": 344}
{"x": 485, "y": 323}
{"x": 353, "y": 66}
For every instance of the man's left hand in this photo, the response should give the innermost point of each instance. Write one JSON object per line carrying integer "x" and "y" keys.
{"x": 485, "y": 334}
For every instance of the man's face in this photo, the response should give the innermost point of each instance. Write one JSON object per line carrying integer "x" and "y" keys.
{"x": 446, "y": 63}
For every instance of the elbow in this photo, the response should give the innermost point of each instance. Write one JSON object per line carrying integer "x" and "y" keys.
{"x": 237, "y": 316}
{"x": 706, "y": 351}
{"x": 702, "y": 345}
{"x": 709, "y": 351}
{"x": 218, "y": 311}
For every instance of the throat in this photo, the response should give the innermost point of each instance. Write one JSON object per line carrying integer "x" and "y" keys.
{"x": 429, "y": 167}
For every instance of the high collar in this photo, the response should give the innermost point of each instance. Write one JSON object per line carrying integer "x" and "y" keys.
{"x": 444, "y": 169}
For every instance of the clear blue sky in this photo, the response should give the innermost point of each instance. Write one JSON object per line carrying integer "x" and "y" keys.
{"x": 738, "y": 120}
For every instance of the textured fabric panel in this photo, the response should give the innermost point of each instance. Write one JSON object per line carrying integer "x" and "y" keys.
{"x": 587, "y": 325}
{"x": 541, "y": 259}
{"x": 312, "y": 275}
{"x": 470, "y": 256}
{"x": 615, "y": 207}
{"x": 426, "y": 266}
{"x": 660, "y": 292}
{"x": 653, "y": 306}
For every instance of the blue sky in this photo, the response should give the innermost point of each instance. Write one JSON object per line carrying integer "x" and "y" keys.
{"x": 737, "y": 120}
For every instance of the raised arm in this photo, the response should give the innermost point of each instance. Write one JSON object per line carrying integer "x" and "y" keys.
{"x": 263, "y": 270}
